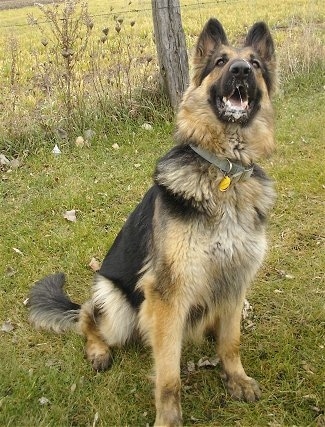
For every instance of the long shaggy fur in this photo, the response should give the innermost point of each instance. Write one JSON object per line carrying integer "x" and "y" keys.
{"x": 185, "y": 257}
{"x": 50, "y": 308}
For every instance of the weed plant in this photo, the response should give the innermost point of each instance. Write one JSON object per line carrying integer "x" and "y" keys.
{"x": 86, "y": 72}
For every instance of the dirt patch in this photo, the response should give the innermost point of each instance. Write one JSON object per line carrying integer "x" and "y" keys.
{"x": 16, "y": 4}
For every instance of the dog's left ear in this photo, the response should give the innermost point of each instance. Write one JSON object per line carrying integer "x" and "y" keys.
{"x": 211, "y": 38}
{"x": 259, "y": 37}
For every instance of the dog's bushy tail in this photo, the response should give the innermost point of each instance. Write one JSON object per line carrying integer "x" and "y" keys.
{"x": 49, "y": 306}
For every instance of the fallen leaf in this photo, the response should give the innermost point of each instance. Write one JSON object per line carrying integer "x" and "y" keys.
{"x": 115, "y": 146}
{"x": 3, "y": 160}
{"x": 94, "y": 264}
{"x": 56, "y": 150}
{"x": 249, "y": 324}
{"x": 89, "y": 134}
{"x": 70, "y": 215}
{"x": 208, "y": 362}
{"x": 14, "y": 164}
{"x": 7, "y": 327}
{"x": 191, "y": 366}
{"x": 18, "y": 251}
{"x": 282, "y": 273}
{"x": 10, "y": 271}
{"x": 44, "y": 400}
{"x": 247, "y": 310}
{"x": 146, "y": 126}
{"x": 80, "y": 142}
{"x": 62, "y": 134}
{"x": 73, "y": 387}
{"x": 96, "y": 418}
{"x": 312, "y": 397}
{"x": 308, "y": 368}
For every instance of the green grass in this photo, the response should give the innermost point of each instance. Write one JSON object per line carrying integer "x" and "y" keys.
{"x": 284, "y": 350}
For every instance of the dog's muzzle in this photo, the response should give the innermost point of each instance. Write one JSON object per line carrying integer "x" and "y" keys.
{"x": 235, "y": 96}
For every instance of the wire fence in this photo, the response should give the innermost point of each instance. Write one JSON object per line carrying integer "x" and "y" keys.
{"x": 116, "y": 8}
{"x": 47, "y": 86}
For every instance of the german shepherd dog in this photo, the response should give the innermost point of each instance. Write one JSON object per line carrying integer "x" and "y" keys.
{"x": 183, "y": 261}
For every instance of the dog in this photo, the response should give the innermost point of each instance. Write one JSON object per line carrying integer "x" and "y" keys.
{"x": 183, "y": 260}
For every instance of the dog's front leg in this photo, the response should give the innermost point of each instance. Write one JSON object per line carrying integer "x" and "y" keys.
{"x": 166, "y": 340}
{"x": 239, "y": 385}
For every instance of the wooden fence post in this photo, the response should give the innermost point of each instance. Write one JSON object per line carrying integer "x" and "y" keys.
{"x": 171, "y": 48}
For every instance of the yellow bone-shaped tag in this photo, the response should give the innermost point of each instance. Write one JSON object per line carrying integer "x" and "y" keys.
{"x": 224, "y": 183}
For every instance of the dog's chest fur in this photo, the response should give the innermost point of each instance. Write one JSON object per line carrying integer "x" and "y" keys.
{"x": 212, "y": 242}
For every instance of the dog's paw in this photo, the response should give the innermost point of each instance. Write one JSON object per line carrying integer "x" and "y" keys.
{"x": 99, "y": 357}
{"x": 168, "y": 420}
{"x": 101, "y": 362}
{"x": 242, "y": 387}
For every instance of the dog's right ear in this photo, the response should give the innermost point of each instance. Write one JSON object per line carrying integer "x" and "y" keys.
{"x": 211, "y": 37}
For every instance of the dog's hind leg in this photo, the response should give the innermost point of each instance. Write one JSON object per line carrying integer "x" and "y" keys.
{"x": 239, "y": 385}
{"x": 108, "y": 320}
{"x": 97, "y": 350}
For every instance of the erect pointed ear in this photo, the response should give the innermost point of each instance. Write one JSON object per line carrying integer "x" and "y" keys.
{"x": 212, "y": 36}
{"x": 260, "y": 39}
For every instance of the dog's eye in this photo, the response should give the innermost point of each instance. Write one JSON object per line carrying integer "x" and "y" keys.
{"x": 220, "y": 62}
{"x": 256, "y": 64}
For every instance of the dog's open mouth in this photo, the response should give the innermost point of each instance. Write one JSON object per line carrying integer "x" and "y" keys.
{"x": 238, "y": 100}
{"x": 235, "y": 101}
{"x": 236, "y": 106}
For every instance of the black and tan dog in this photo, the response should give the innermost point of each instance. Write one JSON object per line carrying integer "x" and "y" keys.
{"x": 183, "y": 260}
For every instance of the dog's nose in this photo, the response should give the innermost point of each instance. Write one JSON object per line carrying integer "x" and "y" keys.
{"x": 240, "y": 69}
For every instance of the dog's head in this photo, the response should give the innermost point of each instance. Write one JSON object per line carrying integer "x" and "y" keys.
{"x": 238, "y": 80}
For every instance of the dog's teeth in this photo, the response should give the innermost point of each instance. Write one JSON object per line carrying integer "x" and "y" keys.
{"x": 244, "y": 105}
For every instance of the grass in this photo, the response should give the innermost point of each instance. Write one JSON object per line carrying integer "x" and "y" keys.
{"x": 282, "y": 345}
{"x": 285, "y": 348}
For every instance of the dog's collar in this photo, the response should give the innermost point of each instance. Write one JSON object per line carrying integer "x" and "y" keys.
{"x": 227, "y": 167}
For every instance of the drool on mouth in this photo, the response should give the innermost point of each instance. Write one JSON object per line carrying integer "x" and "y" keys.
{"x": 236, "y": 107}
{"x": 237, "y": 101}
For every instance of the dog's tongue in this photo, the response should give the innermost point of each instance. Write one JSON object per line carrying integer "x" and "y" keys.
{"x": 234, "y": 103}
